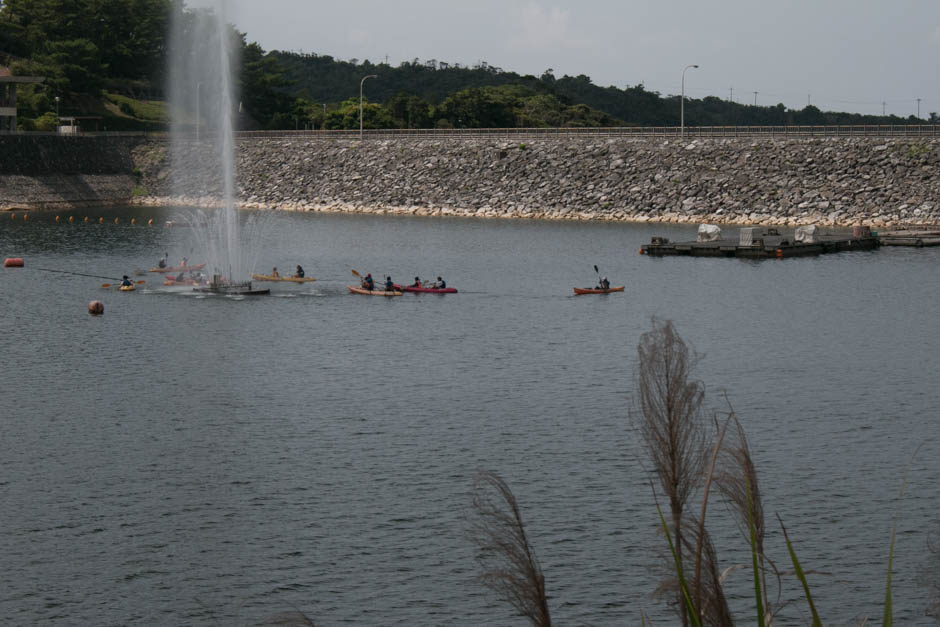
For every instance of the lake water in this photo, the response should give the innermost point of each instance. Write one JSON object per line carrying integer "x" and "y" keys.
{"x": 189, "y": 460}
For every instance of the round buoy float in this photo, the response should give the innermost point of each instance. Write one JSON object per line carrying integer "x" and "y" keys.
{"x": 86, "y": 219}
{"x": 100, "y": 220}
{"x": 57, "y": 218}
{"x": 150, "y": 222}
{"x": 133, "y": 220}
{"x": 96, "y": 308}
{"x": 13, "y": 262}
{"x": 25, "y": 217}
{"x": 13, "y": 216}
{"x": 117, "y": 220}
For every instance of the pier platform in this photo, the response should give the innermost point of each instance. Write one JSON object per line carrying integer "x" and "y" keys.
{"x": 766, "y": 243}
{"x": 918, "y": 237}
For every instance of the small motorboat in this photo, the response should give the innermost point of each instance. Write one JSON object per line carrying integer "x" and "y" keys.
{"x": 596, "y": 290}
{"x": 375, "y": 292}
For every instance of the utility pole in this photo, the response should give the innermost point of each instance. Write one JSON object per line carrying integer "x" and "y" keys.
{"x": 883, "y": 103}
{"x": 918, "y": 108}
{"x": 755, "y": 98}
{"x": 731, "y": 94}
{"x": 807, "y": 99}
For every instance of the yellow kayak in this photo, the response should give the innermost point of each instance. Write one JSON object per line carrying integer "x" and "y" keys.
{"x": 127, "y": 288}
{"x": 291, "y": 279}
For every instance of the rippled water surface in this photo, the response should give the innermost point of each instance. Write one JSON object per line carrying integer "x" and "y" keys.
{"x": 186, "y": 460}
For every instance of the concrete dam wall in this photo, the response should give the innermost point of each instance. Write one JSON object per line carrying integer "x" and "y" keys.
{"x": 53, "y": 172}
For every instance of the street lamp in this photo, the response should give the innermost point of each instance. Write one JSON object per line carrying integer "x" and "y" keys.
{"x": 682, "y": 103}
{"x": 360, "y": 102}
{"x": 198, "y": 86}
{"x": 56, "y": 114}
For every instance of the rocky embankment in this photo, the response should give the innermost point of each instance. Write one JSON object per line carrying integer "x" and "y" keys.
{"x": 825, "y": 181}
{"x": 837, "y": 181}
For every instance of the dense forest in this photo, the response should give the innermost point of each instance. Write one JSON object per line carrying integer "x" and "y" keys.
{"x": 107, "y": 58}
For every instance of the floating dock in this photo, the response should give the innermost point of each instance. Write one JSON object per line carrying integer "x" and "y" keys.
{"x": 919, "y": 237}
{"x": 765, "y": 243}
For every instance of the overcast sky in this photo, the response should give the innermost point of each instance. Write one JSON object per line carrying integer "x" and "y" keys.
{"x": 845, "y": 55}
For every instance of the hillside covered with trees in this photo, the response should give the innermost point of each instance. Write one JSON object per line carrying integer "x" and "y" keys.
{"x": 108, "y": 58}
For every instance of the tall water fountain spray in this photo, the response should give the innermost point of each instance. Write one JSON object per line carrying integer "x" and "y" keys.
{"x": 202, "y": 107}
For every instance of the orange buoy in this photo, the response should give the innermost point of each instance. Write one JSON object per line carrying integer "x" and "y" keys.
{"x": 96, "y": 308}
{"x": 13, "y": 216}
{"x": 13, "y": 262}
{"x": 100, "y": 220}
{"x": 133, "y": 220}
{"x": 86, "y": 219}
{"x": 25, "y": 217}
{"x": 57, "y": 218}
{"x": 779, "y": 253}
{"x": 116, "y": 220}
{"x": 150, "y": 222}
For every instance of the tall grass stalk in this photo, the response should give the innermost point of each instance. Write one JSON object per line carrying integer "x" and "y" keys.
{"x": 677, "y": 560}
{"x": 755, "y": 560}
{"x": 887, "y": 619}
{"x": 800, "y": 575}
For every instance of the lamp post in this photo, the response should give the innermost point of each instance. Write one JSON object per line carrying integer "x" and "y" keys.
{"x": 682, "y": 102}
{"x": 198, "y": 86}
{"x": 57, "y": 114}
{"x": 360, "y": 101}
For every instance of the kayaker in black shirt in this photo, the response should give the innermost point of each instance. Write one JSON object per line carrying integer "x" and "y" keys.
{"x": 126, "y": 281}
{"x": 299, "y": 273}
{"x": 604, "y": 284}
{"x": 389, "y": 286}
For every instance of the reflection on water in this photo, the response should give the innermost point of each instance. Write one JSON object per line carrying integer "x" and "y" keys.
{"x": 187, "y": 460}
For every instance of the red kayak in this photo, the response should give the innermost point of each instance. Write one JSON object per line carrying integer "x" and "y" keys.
{"x": 594, "y": 290}
{"x": 426, "y": 290}
{"x": 178, "y": 269}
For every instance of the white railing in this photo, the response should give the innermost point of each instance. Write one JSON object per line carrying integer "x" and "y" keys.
{"x": 909, "y": 130}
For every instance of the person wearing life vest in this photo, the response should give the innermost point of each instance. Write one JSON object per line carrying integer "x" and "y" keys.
{"x": 604, "y": 284}
{"x": 389, "y": 286}
{"x": 299, "y": 272}
{"x": 440, "y": 283}
{"x": 126, "y": 281}
{"x": 417, "y": 283}
{"x": 368, "y": 283}
{"x": 162, "y": 262}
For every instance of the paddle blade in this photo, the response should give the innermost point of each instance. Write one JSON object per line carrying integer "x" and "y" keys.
{"x": 596, "y": 270}
{"x": 141, "y": 282}
{"x": 105, "y": 285}
{"x": 356, "y": 273}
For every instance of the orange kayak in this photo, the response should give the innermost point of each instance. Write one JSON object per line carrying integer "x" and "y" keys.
{"x": 594, "y": 290}
{"x": 376, "y": 292}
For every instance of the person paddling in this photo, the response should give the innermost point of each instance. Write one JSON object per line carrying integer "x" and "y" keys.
{"x": 417, "y": 283}
{"x": 162, "y": 263}
{"x": 604, "y": 284}
{"x": 368, "y": 283}
{"x": 274, "y": 272}
{"x": 389, "y": 286}
{"x": 126, "y": 281}
{"x": 440, "y": 283}
{"x": 299, "y": 272}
